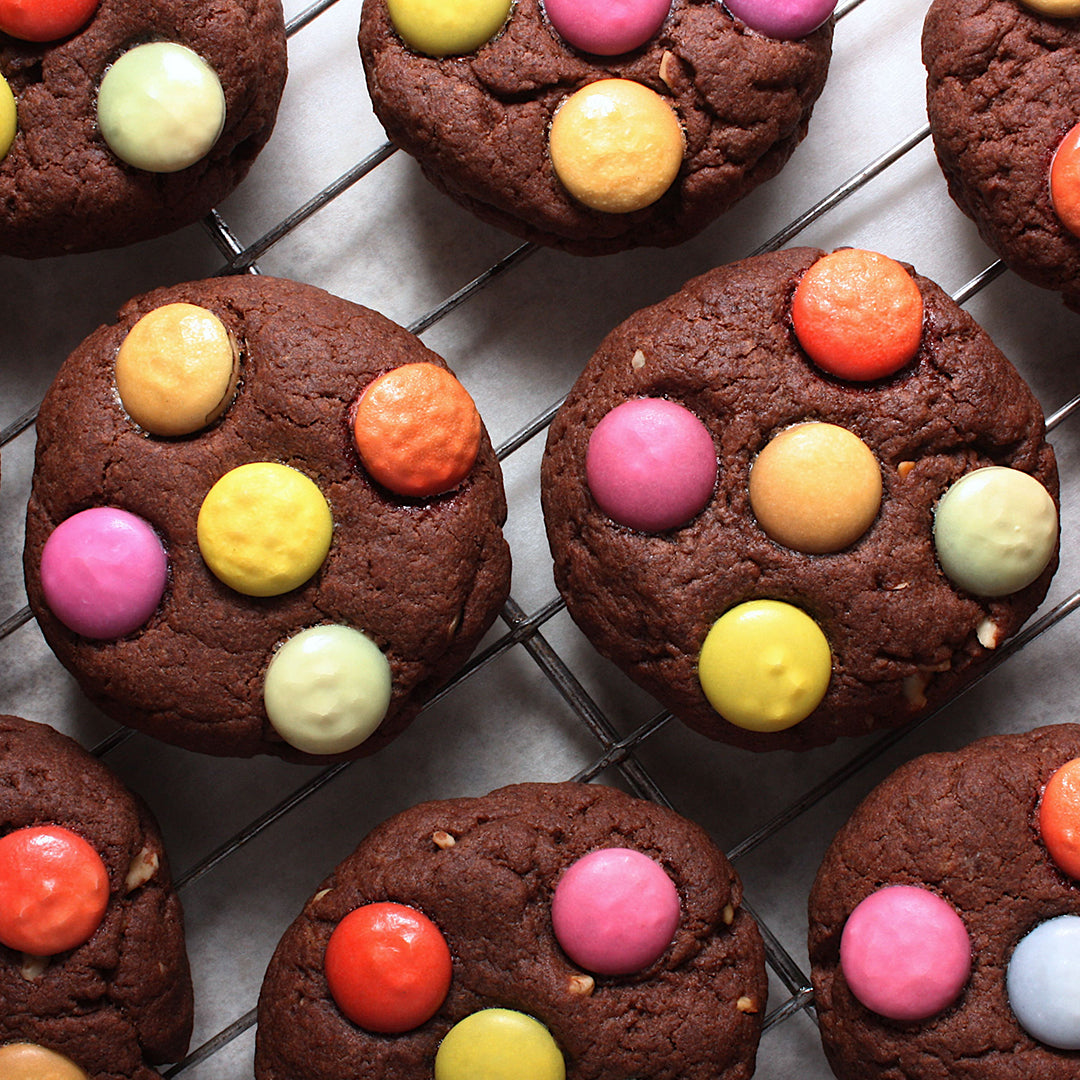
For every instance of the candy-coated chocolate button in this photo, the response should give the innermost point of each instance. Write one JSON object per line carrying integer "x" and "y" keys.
{"x": 44, "y": 20}
{"x": 815, "y": 488}
{"x": 53, "y": 890}
{"x": 615, "y": 911}
{"x": 616, "y": 145}
{"x": 327, "y": 689}
{"x": 264, "y": 529}
{"x": 437, "y": 28}
{"x": 784, "y": 19}
{"x": 995, "y": 530}
{"x": 103, "y": 572}
{"x": 858, "y": 314}
{"x": 1043, "y": 982}
{"x": 417, "y": 430}
{"x": 388, "y": 967}
{"x": 499, "y": 1044}
{"x": 160, "y": 107}
{"x": 28, "y": 1061}
{"x": 1065, "y": 178}
{"x": 905, "y": 953}
{"x": 176, "y": 370}
{"x": 765, "y": 665}
{"x": 8, "y": 117}
{"x": 607, "y": 27}
{"x": 651, "y": 464}
{"x": 1060, "y": 9}
{"x": 1059, "y": 817}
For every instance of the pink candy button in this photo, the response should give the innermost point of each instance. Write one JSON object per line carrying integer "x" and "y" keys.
{"x": 905, "y": 953}
{"x": 103, "y": 572}
{"x": 651, "y": 464}
{"x": 607, "y": 27}
{"x": 784, "y": 19}
{"x": 615, "y": 911}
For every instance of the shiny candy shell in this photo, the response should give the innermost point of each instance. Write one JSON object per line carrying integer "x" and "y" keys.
{"x": 1059, "y": 817}
{"x": 160, "y": 107}
{"x": 499, "y": 1044}
{"x": 1060, "y": 9}
{"x": 784, "y": 19}
{"x": 28, "y": 1061}
{"x": 607, "y": 27}
{"x": 327, "y": 689}
{"x": 44, "y": 20}
{"x": 1043, "y": 982}
{"x": 8, "y": 117}
{"x": 438, "y": 28}
{"x": 1065, "y": 177}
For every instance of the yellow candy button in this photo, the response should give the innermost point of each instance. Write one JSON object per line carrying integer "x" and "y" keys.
{"x": 815, "y": 488}
{"x": 499, "y": 1044}
{"x": 28, "y": 1061}
{"x": 765, "y": 665}
{"x": 616, "y": 145}
{"x": 7, "y": 117}
{"x": 176, "y": 370}
{"x": 1059, "y": 9}
{"x": 264, "y": 529}
{"x": 438, "y": 28}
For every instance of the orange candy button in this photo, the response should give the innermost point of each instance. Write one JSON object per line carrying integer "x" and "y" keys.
{"x": 1059, "y": 818}
{"x": 53, "y": 890}
{"x": 417, "y": 430}
{"x": 1065, "y": 181}
{"x": 858, "y": 314}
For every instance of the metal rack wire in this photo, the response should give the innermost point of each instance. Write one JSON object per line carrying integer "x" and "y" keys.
{"x": 615, "y": 752}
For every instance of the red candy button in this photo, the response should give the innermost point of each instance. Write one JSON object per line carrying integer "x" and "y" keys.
{"x": 1059, "y": 817}
{"x": 1065, "y": 181}
{"x": 858, "y": 314}
{"x": 388, "y": 967}
{"x": 44, "y": 20}
{"x": 53, "y": 890}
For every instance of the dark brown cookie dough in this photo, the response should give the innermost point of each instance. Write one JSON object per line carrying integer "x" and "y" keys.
{"x": 423, "y": 578}
{"x": 1003, "y": 82}
{"x": 121, "y": 1002}
{"x": 962, "y": 824}
{"x": 484, "y": 871}
{"x": 478, "y": 124}
{"x": 902, "y": 637}
{"x": 63, "y": 190}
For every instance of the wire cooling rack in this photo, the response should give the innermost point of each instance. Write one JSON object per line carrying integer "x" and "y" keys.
{"x": 331, "y": 203}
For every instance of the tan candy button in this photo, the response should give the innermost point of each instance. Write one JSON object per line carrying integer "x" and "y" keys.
{"x": 815, "y": 488}
{"x": 176, "y": 370}
{"x": 616, "y": 145}
{"x": 28, "y": 1061}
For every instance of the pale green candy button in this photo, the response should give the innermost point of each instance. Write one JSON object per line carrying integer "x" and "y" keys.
{"x": 7, "y": 117}
{"x": 995, "y": 530}
{"x": 499, "y": 1044}
{"x": 161, "y": 107}
{"x": 327, "y": 689}
{"x": 447, "y": 27}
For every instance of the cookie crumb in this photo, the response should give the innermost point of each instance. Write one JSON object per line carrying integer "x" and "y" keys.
{"x": 746, "y": 1005}
{"x": 442, "y": 839}
{"x": 638, "y": 361}
{"x": 143, "y": 867}
{"x": 581, "y": 985}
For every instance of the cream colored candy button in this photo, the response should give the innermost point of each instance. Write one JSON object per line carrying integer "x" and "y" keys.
{"x": 1058, "y": 9}
{"x": 815, "y": 488}
{"x": 28, "y": 1061}
{"x": 439, "y": 28}
{"x": 8, "y": 113}
{"x": 176, "y": 370}
{"x": 616, "y": 145}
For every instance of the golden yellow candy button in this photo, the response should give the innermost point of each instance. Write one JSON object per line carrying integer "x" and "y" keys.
{"x": 815, "y": 488}
{"x": 1059, "y": 9}
{"x": 439, "y": 28}
{"x": 176, "y": 370}
{"x": 8, "y": 117}
{"x": 499, "y": 1044}
{"x": 28, "y": 1061}
{"x": 616, "y": 145}
{"x": 264, "y": 529}
{"x": 765, "y": 665}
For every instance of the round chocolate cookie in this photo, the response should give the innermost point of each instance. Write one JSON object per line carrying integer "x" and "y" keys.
{"x": 111, "y": 993}
{"x": 594, "y": 127}
{"x": 510, "y": 881}
{"x": 212, "y": 556}
{"x": 132, "y": 122}
{"x": 1003, "y": 82}
{"x": 779, "y": 548}
{"x": 928, "y": 904}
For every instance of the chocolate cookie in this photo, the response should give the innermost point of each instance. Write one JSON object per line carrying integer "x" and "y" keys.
{"x": 661, "y": 114}
{"x": 92, "y": 964}
{"x": 212, "y": 556}
{"x": 1003, "y": 80}
{"x": 761, "y": 520}
{"x": 132, "y": 120}
{"x": 959, "y": 852}
{"x": 515, "y": 884}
